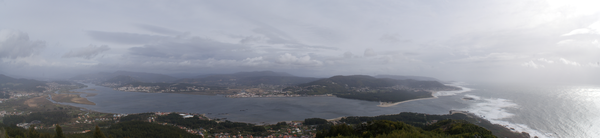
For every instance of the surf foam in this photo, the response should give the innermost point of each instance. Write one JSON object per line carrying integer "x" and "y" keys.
{"x": 450, "y": 93}
{"x": 494, "y": 110}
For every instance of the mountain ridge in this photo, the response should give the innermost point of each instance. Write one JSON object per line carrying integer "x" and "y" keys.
{"x": 141, "y": 76}
{"x": 249, "y": 78}
{"x": 9, "y": 83}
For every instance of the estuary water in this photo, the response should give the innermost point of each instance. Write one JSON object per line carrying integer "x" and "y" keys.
{"x": 543, "y": 111}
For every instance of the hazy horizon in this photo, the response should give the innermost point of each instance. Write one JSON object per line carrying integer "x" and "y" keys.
{"x": 520, "y": 41}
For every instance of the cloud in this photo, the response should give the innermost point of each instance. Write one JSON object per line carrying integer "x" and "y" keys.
{"x": 593, "y": 28}
{"x": 580, "y": 31}
{"x": 595, "y": 65}
{"x": 492, "y": 57}
{"x": 290, "y": 59}
{"x": 125, "y": 38}
{"x": 532, "y": 65}
{"x": 88, "y": 52}
{"x": 314, "y": 47}
{"x": 192, "y": 48}
{"x": 569, "y": 62}
{"x": 369, "y": 53}
{"x": 348, "y": 55}
{"x": 275, "y": 36}
{"x": 256, "y": 61}
{"x": 251, "y": 39}
{"x": 545, "y": 60}
{"x": 159, "y": 30}
{"x": 564, "y": 42}
{"x": 15, "y": 44}
{"x": 393, "y": 38}
{"x": 272, "y": 35}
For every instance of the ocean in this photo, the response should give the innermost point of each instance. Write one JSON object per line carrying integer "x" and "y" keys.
{"x": 540, "y": 110}
{"x": 571, "y": 111}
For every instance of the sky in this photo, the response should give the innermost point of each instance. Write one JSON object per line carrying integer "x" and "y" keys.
{"x": 463, "y": 40}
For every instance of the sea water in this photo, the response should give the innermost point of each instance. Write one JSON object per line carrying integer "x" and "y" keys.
{"x": 541, "y": 110}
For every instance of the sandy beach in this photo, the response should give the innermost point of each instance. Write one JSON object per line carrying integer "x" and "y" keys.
{"x": 433, "y": 94}
{"x": 387, "y": 104}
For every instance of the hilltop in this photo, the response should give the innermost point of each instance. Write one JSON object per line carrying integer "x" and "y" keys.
{"x": 139, "y": 76}
{"x": 26, "y": 85}
{"x": 119, "y": 81}
{"x": 399, "y": 77}
{"x": 249, "y": 78}
{"x": 364, "y": 83}
{"x": 369, "y": 88}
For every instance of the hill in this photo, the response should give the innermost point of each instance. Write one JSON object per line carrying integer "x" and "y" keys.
{"x": 363, "y": 87}
{"x": 249, "y": 78}
{"x": 252, "y": 74}
{"x": 432, "y": 122}
{"x": 386, "y": 128}
{"x": 121, "y": 79}
{"x": 140, "y": 76}
{"x": 398, "y": 77}
{"x": 26, "y": 85}
{"x": 364, "y": 83}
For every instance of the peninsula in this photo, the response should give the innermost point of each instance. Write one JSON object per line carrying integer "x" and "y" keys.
{"x": 363, "y": 87}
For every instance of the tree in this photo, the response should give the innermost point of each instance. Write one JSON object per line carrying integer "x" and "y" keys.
{"x": 314, "y": 121}
{"x": 59, "y": 132}
{"x": 98, "y": 133}
{"x": 5, "y": 133}
{"x": 45, "y": 135}
{"x": 31, "y": 133}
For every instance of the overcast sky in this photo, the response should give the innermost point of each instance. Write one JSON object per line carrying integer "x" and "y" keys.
{"x": 473, "y": 40}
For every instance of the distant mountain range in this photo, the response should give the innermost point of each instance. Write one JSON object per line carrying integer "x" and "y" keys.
{"x": 27, "y": 85}
{"x": 121, "y": 79}
{"x": 247, "y": 74}
{"x": 398, "y": 77}
{"x": 249, "y": 78}
{"x": 265, "y": 78}
{"x": 139, "y": 76}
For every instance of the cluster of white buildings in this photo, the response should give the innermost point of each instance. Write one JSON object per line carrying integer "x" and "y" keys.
{"x": 5, "y": 113}
{"x": 139, "y": 88}
{"x": 157, "y": 89}
{"x": 26, "y": 125}
{"x": 251, "y": 95}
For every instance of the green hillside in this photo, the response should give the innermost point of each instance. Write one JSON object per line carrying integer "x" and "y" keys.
{"x": 393, "y": 129}
{"x": 26, "y": 85}
{"x": 122, "y": 79}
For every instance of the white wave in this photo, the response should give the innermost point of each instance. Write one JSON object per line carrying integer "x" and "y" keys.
{"x": 494, "y": 110}
{"x": 472, "y": 96}
{"x": 450, "y": 93}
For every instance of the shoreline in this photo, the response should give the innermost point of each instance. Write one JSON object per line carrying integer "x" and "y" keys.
{"x": 67, "y": 98}
{"x": 494, "y": 126}
{"x": 387, "y": 104}
{"x": 434, "y": 95}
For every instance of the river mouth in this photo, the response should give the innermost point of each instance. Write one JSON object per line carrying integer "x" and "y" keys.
{"x": 255, "y": 110}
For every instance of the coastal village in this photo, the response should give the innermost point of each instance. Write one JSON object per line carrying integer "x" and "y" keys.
{"x": 81, "y": 121}
{"x": 250, "y": 92}
{"x": 245, "y": 94}
{"x": 293, "y": 129}
{"x": 158, "y": 89}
